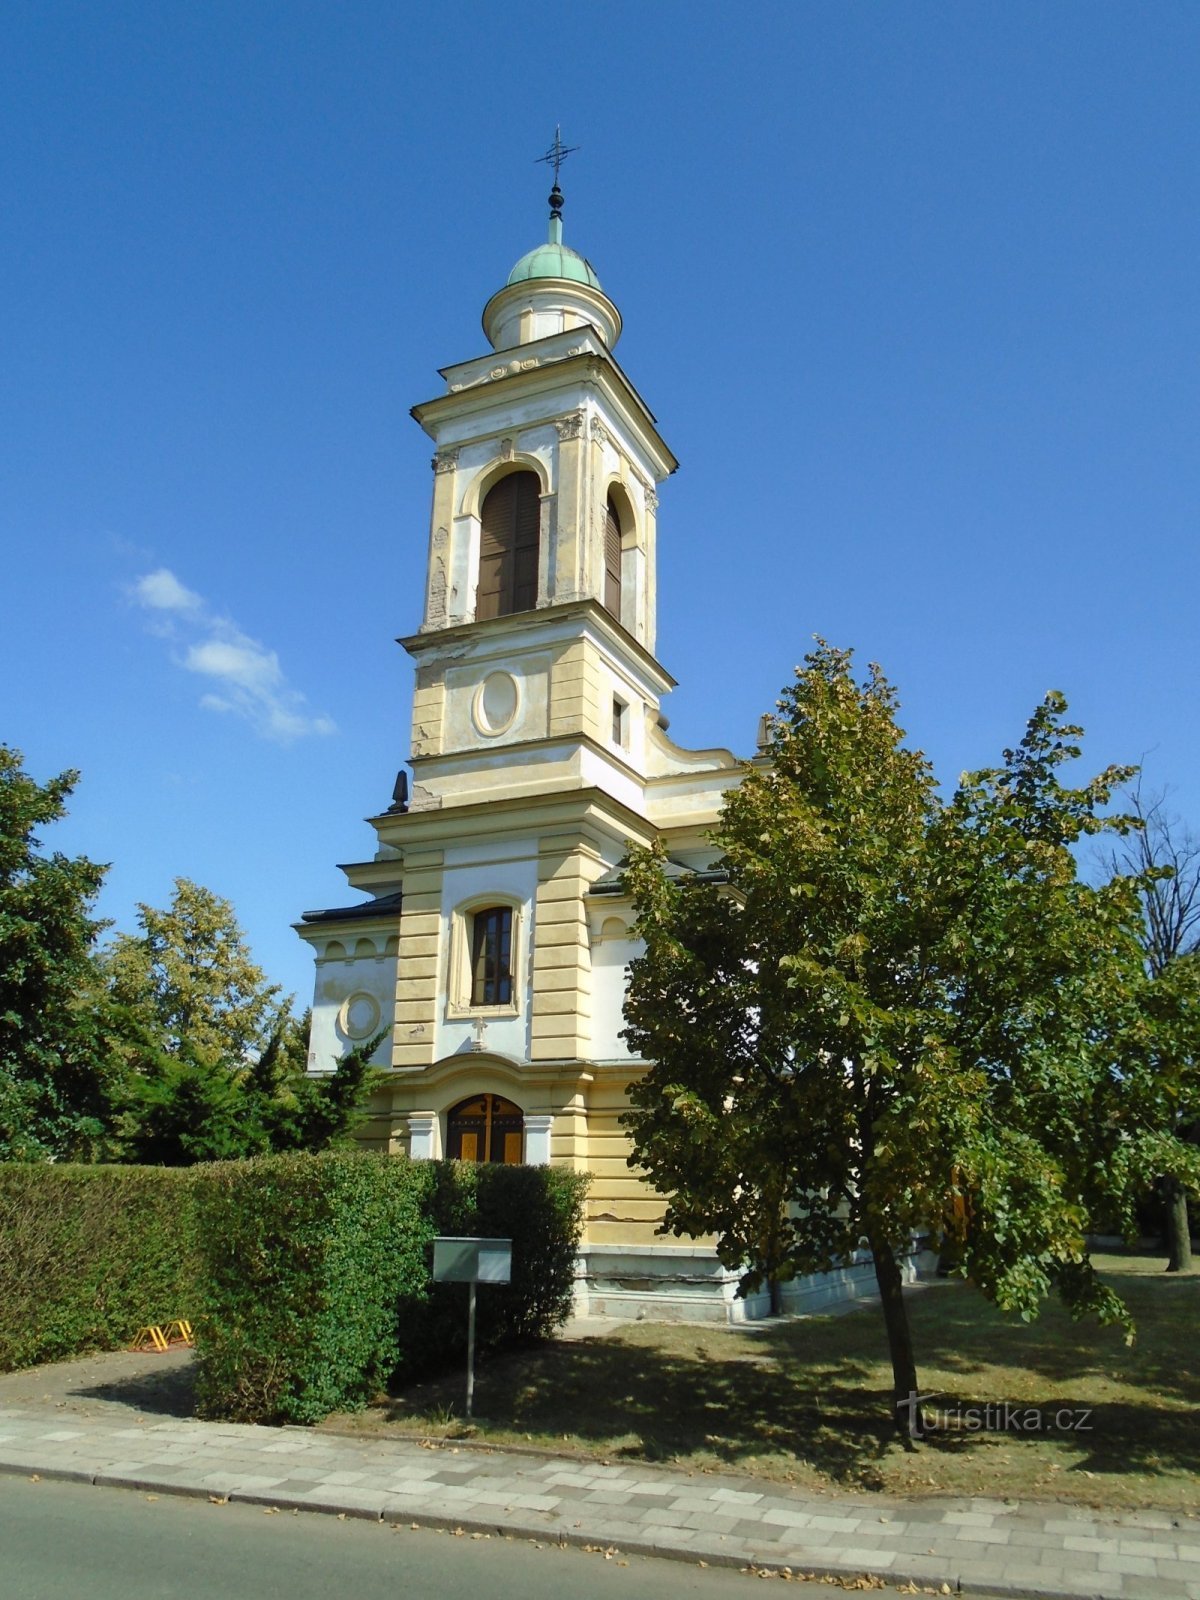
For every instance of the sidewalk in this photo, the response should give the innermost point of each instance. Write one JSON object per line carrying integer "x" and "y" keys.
{"x": 976, "y": 1546}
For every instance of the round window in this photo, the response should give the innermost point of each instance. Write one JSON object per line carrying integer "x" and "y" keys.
{"x": 496, "y": 702}
{"x": 359, "y": 1016}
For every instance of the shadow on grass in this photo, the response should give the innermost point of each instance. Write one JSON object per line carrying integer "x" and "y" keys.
{"x": 818, "y": 1389}
{"x": 657, "y": 1405}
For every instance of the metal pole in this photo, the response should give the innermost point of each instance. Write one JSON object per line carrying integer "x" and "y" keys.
{"x": 471, "y": 1351}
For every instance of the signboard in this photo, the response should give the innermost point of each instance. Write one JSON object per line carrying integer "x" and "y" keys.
{"x": 472, "y": 1260}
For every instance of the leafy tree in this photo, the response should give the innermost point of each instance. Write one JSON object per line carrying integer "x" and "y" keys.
{"x": 899, "y": 1015}
{"x": 55, "y": 1057}
{"x": 217, "y": 1061}
{"x": 188, "y": 978}
{"x": 1165, "y": 856}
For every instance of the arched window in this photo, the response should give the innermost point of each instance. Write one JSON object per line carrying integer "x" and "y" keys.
{"x": 491, "y": 957}
{"x": 486, "y": 1128}
{"x": 508, "y": 550}
{"x": 612, "y": 559}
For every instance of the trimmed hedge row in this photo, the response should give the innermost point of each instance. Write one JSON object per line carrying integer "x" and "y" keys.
{"x": 306, "y": 1277}
{"x": 89, "y": 1256}
{"x": 304, "y": 1261}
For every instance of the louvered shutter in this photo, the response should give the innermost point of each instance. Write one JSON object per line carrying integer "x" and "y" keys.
{"x": 527, "y": 512}
{"x": 612, "y": 560}
{"x": 508, "y": 549}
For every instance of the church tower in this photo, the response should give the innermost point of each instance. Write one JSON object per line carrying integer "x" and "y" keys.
{"x": 495, "y": 943}
{"x": 535, "y": 657}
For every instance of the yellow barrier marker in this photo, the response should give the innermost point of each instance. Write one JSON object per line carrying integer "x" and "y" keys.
{"x": 156, "y": 1338}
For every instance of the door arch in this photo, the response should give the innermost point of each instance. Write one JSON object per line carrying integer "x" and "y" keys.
{"x": 486, "y": 1128}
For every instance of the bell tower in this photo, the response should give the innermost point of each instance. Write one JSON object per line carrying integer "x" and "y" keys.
{"x": 535, "y": 655}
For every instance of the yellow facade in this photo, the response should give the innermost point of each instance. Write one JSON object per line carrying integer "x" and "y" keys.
{"x": 539, "y": 753}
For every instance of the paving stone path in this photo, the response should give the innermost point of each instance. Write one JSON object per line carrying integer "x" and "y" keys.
{"x": 975, "y": 1546}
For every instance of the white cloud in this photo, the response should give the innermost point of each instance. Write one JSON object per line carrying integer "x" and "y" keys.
{"x": 162, "y": 591}
{"x": 246, "y": 675}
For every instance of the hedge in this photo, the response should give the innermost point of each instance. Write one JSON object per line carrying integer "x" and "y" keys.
{"x": 541, "y": 1210}
{"x": 306, "y": 1277}
{"x": 303, "y": 1261}
{"x": 315, "y": 1276}
{"x": 90, "y": 1255}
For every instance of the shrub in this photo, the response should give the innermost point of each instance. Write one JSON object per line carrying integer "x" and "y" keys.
{"x": 306, "y": 1277}
{"x": 89, "y": 1255}
{"x": 541, "y": 1210}
{"x": 303, "y": 1261}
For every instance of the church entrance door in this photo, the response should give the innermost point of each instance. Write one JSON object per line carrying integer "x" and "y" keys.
{"x": 486, "y": 1128}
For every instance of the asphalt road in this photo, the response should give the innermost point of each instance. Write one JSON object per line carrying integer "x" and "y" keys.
{"x": 62, "y": 1540}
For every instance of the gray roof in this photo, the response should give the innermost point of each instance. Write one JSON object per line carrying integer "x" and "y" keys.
{"x": 387, "y": 905}
{"x": 613, "y": 882}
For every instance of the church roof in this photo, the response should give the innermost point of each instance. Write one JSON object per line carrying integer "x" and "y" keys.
{"x": 554, "y": 260}
{"x": 613, "y": 881}
{"x": 386, "y": 905}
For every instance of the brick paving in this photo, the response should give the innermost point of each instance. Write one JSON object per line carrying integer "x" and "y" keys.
{"x": 975, "y": 1546}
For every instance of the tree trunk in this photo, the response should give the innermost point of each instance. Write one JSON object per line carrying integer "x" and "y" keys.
{"x": 1179, "y": 1240}
{"x": 905, "y": 1410}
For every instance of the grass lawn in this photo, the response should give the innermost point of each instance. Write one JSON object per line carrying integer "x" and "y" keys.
{"x": 807, "y": 1401}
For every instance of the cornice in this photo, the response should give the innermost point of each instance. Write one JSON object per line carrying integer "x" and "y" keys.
{"x": 568, "y": 809}
{"x": 584, "y": 366}
{"x": 617, "y": 637}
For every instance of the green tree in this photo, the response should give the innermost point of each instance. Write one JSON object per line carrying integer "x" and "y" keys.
{"x": 899, "y": 1015}
{"x": 183, "y": 1107}
{"x": 190, "y": 982}
{"x": 1165, "y": 857}
{"x": 56, "y": 1063}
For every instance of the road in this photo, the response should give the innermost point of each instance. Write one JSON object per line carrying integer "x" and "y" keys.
{"x": 62, "y": 1540}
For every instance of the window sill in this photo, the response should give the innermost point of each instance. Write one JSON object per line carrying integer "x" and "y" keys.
{"x": 457, "y": 1013}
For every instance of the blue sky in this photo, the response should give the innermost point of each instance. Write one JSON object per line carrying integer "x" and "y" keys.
{"x": 912, "y": 289}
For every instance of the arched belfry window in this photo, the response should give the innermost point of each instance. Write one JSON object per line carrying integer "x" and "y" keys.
{"x": 508, "y": 550}
{"x": 486, "y": 1128}
{"x": 612, "y": 559}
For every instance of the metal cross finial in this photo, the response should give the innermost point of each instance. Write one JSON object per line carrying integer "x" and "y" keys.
{"x": 554, "y": 157}
{"x": 558, "y": 153}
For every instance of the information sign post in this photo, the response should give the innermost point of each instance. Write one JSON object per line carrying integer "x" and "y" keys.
{"x": 471, "y": 1261}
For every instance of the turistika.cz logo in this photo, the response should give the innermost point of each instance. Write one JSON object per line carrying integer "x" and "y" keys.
{"x": 994, "y": 1416}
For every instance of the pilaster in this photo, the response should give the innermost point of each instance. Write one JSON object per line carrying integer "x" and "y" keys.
{"x": 560, "y": 1024}
{"x": 570, "y": 577}
{"x": 419, "y": 963}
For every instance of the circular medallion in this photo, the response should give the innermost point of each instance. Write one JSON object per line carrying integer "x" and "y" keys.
{"x": 359, "y": 1015}
{"x": 496, "y": 702}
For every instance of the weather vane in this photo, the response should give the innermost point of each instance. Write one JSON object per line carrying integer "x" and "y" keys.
{"x": 554, "y": 157}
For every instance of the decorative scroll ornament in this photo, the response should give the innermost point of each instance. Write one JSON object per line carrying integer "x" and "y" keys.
{"x": 651, "y": 500}
{"x": 444, "y": 460}
{"x": 600, "y": 433}
{"x": 571, "y": 427}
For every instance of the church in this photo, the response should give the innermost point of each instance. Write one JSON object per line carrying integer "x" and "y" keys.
{"x": 494, "y": 943}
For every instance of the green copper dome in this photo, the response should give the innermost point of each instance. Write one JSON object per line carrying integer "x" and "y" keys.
{"x": 554, "y": 260}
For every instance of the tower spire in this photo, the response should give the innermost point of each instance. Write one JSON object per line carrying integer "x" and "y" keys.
{"x": 554, "y": 157}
